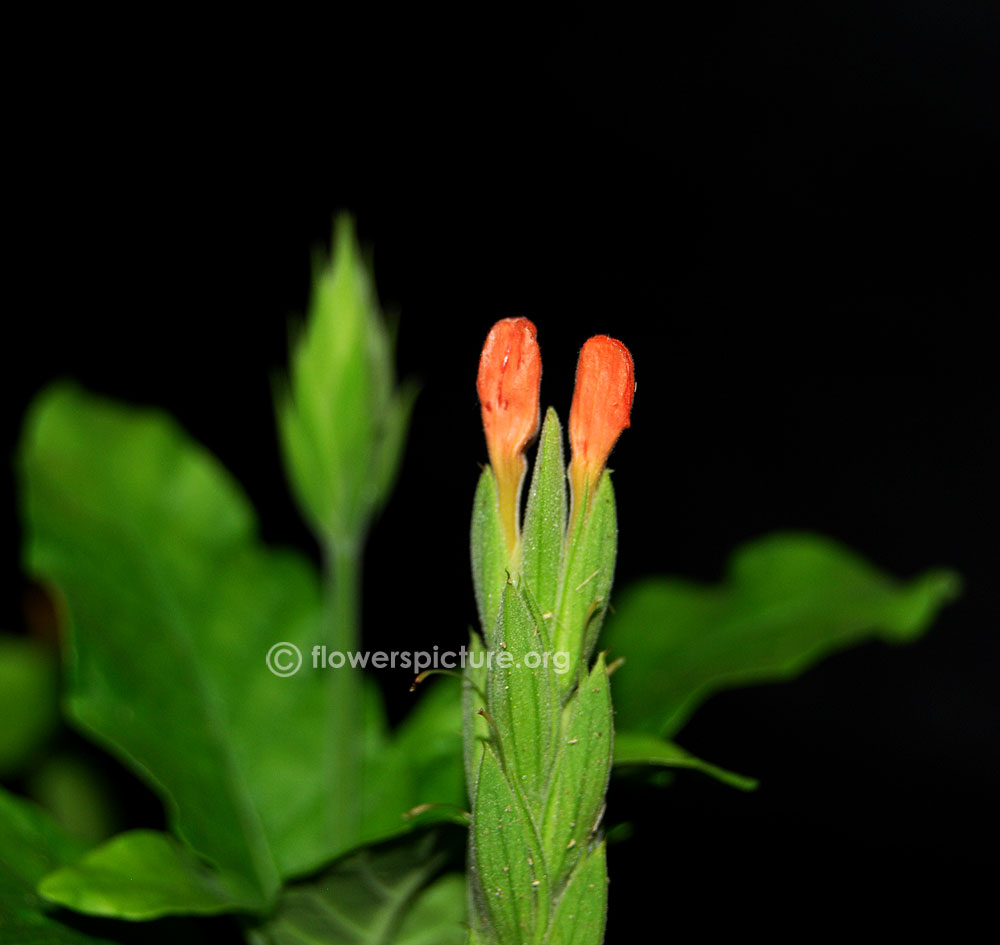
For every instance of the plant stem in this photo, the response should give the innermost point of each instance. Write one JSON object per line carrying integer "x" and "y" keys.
{"x": 344, "y": 720}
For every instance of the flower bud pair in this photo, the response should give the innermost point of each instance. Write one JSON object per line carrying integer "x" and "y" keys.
{"x": 510, "y": 372}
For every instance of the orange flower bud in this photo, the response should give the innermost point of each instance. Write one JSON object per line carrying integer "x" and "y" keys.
{"x": 510, "y": 374}
{"x": 602, "y": 402}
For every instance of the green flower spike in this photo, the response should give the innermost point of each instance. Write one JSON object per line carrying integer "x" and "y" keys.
{"x": 538, "y": 720}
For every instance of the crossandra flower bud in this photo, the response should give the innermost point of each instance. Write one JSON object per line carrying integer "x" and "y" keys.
{"x": 602, "y": 403}
{"x": 510, "y": 374}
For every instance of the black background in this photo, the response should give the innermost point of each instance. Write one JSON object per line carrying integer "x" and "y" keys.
{"x": 787, "y": 211}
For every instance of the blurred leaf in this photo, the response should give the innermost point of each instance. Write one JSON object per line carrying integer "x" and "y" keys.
{"x": 29, "y": 701}
{"x": 437, "y": 915}
{"x": 388, "y": 779}
{"x": 32, "y": 844}
{"x": 430, "y": 738}
{"x": 789, "y": 600}
{"x": 143, "y": 874}
{"x": 391, "y": 894}
{"x": 641, "y": 748}
{"x": 409, "y": 769}
{"x": 342, "y": 422}
{"x": 414, "y": 775}
{"x": 173, "y": 605}
{"x": 76, "y": 795}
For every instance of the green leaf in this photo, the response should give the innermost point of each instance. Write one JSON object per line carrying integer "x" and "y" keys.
{"x": 29, "y": 701}
{"x": 143, "y": 874}
{"x": 583, "y": 765}
{"x": 389, "y": 788}
{"x": 391, "y": 894}
{"x": 489, "y": 551}
{"x": 430, "y": 739}
{"x": 789, "y": 600}
{"x": 641, "y": 748}
{"x": 74, "y": 789}
{"x": 32, "y": 844}
{"x": 545, "y": 518}
{"x": 414, "y": 775}
{"x": 581, "y": 911}
{"x": 342, "y": 423}
{"x": 437, "y": 916}
{"x": 173, "y": 606}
